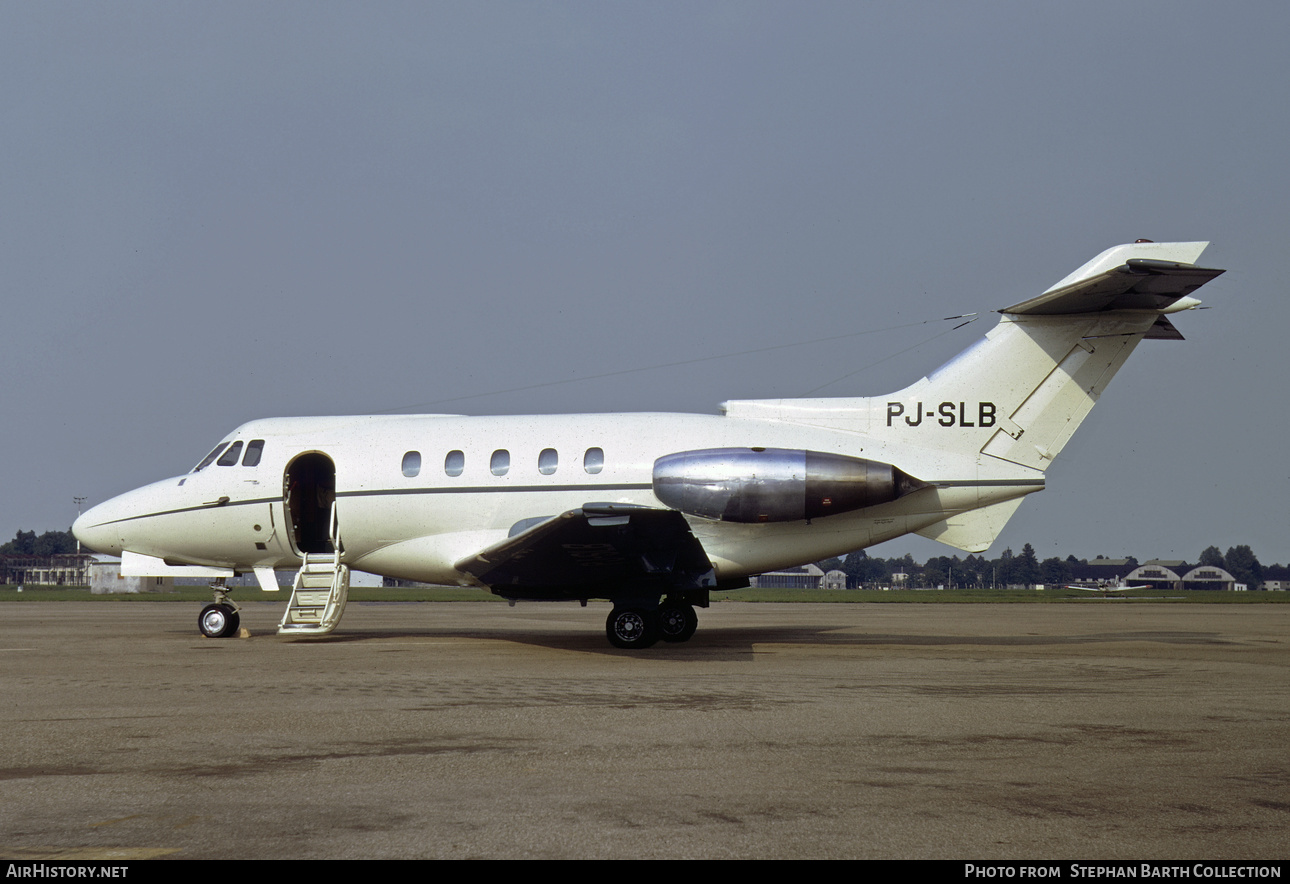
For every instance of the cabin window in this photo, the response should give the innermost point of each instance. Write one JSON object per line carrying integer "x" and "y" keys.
{"x": 411, "y": 463}
{"x": 229, "y": 458}
{"x": 594, "y": 460}
{"x": 454, "y": 463}
{"x": 500, "y": 463}
{"x": 210, "y": 458}
{"x": 254, "y": 449}
{"x": 548, "y": 460}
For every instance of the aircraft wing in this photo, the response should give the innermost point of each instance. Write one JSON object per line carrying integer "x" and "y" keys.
{"x": 1137, "y": 284}
{"x": 600, "y": 550}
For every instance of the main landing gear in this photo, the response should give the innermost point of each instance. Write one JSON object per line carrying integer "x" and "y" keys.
{"x": 220, "y": 619}
{"x": 635, "y": 627}
{"x": 677, "y": 621}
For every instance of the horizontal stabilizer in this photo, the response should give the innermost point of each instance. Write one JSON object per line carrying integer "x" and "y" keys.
{"x": 1137, "y": 284}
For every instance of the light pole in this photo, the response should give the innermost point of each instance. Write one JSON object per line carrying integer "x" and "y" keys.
{"x": 80, "y": 501}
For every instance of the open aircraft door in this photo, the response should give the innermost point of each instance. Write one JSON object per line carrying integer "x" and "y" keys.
{"x": 309, "y": 495}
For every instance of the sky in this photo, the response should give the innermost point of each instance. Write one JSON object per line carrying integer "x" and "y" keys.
{"x": 211, "y": 213}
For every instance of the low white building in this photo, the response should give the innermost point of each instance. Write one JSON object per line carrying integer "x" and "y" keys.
{"x": 106, "y": 578}
{"x": 804, "y": 577}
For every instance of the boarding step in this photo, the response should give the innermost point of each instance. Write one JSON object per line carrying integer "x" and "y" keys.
{"x": 318, "y": 596}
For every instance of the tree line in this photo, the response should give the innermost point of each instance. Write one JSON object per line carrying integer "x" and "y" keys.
{"x": 1023, "y": 569}
{"x": 51, "y": 543}
{"x": 1009, "y": 569}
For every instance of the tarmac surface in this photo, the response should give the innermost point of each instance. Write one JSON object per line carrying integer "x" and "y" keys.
{"x": 1094, "y": 730}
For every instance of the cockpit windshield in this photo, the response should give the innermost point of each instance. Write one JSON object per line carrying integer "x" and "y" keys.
{"x": 210, "y": 458}
{"x": 229, "y": 458}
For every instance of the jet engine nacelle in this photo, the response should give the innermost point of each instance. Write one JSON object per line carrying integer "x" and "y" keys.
{"x": 774, "y": 484}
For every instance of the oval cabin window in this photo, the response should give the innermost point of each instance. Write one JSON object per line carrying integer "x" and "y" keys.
{"x": 411, "y": 463}
{"x": 455, "y": 463}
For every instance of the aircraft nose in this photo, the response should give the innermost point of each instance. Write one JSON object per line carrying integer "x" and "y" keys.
{"x": 95, "y": 529}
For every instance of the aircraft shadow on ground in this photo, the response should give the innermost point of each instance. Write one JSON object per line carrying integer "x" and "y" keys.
{"x": 740, "y": 641}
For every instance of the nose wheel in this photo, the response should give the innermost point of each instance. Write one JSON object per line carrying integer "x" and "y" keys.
{"x": 220, "y": 619}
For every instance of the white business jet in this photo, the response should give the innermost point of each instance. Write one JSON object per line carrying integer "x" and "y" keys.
{"x": 1106, "y": 587}
{"x": 651, "y": 511}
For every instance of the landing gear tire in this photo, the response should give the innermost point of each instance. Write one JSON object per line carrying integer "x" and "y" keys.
{"x": 218, "y": 621}
{"x": 677, "y": 622}
{"x": 632, "y": 628}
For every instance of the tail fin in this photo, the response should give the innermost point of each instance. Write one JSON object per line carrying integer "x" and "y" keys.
{"x": 1001, "y": 411}
{"x": 1056, "y": 353}
{"x": 1020, "y": 393}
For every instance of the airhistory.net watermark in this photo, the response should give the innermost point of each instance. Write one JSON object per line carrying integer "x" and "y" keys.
{"x": 64, "y": 870}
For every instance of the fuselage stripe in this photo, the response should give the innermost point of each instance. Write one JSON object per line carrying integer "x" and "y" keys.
{"x": 382, "y": 492}
{"x": 490, "y": 489}
{"x": 190, "y": 509}
{"x": 508, "y": 489}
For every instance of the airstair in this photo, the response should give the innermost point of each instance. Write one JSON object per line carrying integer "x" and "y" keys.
{"x": 320, "y": 590}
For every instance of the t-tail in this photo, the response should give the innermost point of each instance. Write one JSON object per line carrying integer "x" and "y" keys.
{"x": 1007, "y": 405}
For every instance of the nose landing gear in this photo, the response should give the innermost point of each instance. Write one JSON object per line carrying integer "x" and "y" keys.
{"x": 220, "y": 619}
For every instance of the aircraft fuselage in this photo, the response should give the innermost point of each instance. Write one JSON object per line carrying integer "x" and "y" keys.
{"x": 416, "y": 527}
